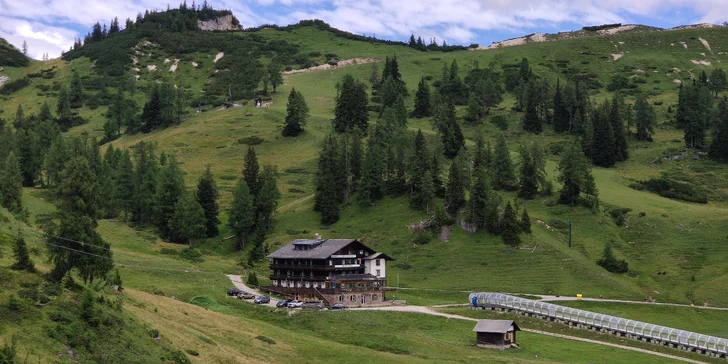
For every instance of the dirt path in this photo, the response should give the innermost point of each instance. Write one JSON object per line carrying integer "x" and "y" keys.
{"x": 326, "y": 66}
{"x": 238, "y": 283}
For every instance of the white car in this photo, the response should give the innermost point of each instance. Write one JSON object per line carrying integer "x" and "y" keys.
{"x": 295, "y": 304}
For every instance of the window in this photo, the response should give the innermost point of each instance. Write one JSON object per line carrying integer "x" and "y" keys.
{"x": 378, "y": 262}
{"x": 374, "y": 297}
{"x": 341, "y": 298}
{"x": 352, "y": 298}
{"x": 379, "y": 272}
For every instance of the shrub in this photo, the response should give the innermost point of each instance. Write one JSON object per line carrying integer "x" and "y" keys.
{"x": 500, "y": 121}
{"x": 266, "y": 339}
{"x": 610, "y": 262}
{"x": 178, "y": 357}
{"x": 251, "y": 140}
{"x": 168, "y": 251}
{"x": 669, "y": 188}
{"x": 154, "y": 333}
{"x": 252, "y": 279}
{"x": 191, "y": 254}
{"x": 14, "y": 303}
{"x": 192, "y": 352}
{"x": 13, "y": 86}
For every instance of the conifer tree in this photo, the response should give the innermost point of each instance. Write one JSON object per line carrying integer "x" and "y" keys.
{"x": 422, "y": 100}
{"x": 188, "y": 220}
{"x": 297, "y": 114}
{"x": 330, "y": 182}
{"x": 267, "y": 200}
{"x": 603, "y": 143}
{"x": 171, "y": 187}
{"x": 449, "y": 129}
{"x": 274, "y": 75}
{"x": 718, "y": 81}
{"x": 719, "y": 144}
{"x": 124, "y": 191}
{"x": 503, "y": 176}
{"x": 11, "y": 184}
{"x": 374, "y": 77}
{"x": 528, "y": 181}
{"x": 207, "y": 196}
{"x": 456, "y": 184}
{"x": 561, "y": 111}
{"x": 258, "y": 252}
{"x": 422, "y": 189}
{"x": 22, "y": 257}
{"x": 621, "y": 152}
{"x": 251, "y": 171}
{"x": 510, "y": 226}
{"x": 645, "y": 115}
{"x": 75, "y": 95}
{"x": 525, "y": 222}
{"x": 479, "y": 194}
{"x": 532, "y": 119}
{"x": 146, "y": 175}
{"x": 108, "y": 205}
{"x": 371, "y": 187}
{"x": 241, "y": 213}
{"x": 574, "y": 174}
{"x": 351, "y": 105}
{"x": 29, "y": 156}
{"x": 436, "y": 171}
{"x": 356, "y": 158}
{"x": 587, "y": 140}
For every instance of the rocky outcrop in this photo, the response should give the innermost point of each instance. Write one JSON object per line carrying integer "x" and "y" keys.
{"x": 223, "y": 23}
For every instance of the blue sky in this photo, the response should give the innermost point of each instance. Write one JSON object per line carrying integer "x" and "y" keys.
{"x": 51, "y": 26}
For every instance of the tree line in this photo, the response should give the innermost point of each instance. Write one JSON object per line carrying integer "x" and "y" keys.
{"x": 698, "y": 114}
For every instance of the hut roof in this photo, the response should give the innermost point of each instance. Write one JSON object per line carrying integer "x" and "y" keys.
{"x": 496, "y": 326}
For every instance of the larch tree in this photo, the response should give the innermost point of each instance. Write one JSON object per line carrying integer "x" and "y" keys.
{"x": 297, "y": 112}
{"x": 718, "y": 81}
{"x": 188, "y": 220}
{"x": 207, "y": 197}
{"x": 75, "y": 94}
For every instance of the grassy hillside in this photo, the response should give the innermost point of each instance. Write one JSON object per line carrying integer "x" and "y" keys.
{"x": 677, "y": 251}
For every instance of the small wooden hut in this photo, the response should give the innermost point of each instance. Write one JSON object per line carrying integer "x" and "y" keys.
{"x": 500, "y": 334}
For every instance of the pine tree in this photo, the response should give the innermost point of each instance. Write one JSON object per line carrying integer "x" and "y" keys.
{"x": 510, "y": 227}
{"x": 297, "y": 114}
{"x": 719, "y": 144}
{"x": 645, "y": 115}
{"x": 207, "y": 196}
{"x": 503, "y": 176}
{"x": 525, "y": 222}
{"x": 170, "y": 189}
{"x": 479, "y": 193}
{"x": 532, "y": 119}
{"x": 22, "y": 257}
{"x": 267, "y": 200}
{"x": 422, "y": 189}
{"x": 718, "y": 81}
{"x": 125, "y": 184}
{"x": 241, "y": 213}
{"x": 108, "y": 206}
{"x": 330, "y": 182}
{"x": 351, "y": 105}
{"x": 561, "y": 111}
{"x": 251, "y": 171}
{"x": 450, "y": 133}
{"x": 456, "y": 184}
{"x": 11, "y": 184}
{"x": 25, "y": 48}
{"x": 188, "y": 220}
{"x": 75, "y": 95}
{"x": 603, "y": 143}
{"x": 621, "y": 152}
{"x": 356, "y": 158}
{"x": 374, "y": 77}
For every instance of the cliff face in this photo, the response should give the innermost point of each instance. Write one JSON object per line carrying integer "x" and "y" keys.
{"x": 224, "y": 23}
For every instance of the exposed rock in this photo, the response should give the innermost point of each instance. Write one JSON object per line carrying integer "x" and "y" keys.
{"x": 3, "y": 80}
{"x": 345, "y": 62}
{"x": 705, "y": 43}
{"x": 194, "y": 64}
{"x": 152, "y": 67}
{"x": 685, "y": 45}
{"x": 701, "y": 62}
{"x": 676, "y": 81}
{"x": 617, "y": 56}
{"x": 616, "y": 30}
{"x": 173, "y": 68}
{"x": 166, "y": 60}
{"x": 223, "y": 23}
{"x": 218, "y": 56}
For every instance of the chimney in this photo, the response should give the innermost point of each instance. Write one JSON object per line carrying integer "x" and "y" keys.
{"x": 317, "y": 236}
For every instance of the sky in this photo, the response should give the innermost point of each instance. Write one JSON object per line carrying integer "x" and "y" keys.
{"x": 50, "y": 26}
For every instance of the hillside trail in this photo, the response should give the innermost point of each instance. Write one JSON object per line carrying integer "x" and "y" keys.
{"x": 326, "y": 66}
{"x": 238, "y": 282}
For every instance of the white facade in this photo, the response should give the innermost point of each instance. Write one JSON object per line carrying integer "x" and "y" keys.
{"x": 375, "y": 267}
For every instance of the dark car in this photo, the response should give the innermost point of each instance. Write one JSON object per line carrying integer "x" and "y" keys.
{"x": 262, "y": 299}
{"x": 313, "y": 305}
{"x": 337, "y": 306}
{"x": 234, "y": 292}
{"x": 283, "y": 303}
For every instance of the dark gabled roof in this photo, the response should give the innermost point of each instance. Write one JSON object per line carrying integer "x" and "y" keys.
{"x": 495, "y": 326}
{"x": 378, "y": 256}
{"x": 320, "y": 251}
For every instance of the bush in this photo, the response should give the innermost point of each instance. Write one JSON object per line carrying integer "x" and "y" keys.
{"x": 266, "y": 339}
{"x": 500, "y": 121}
{"x": 14, "y": 303}
{"x": 154, "y": 333}
{"x": 13, "y": 86}
{"x": 191, "y": 254}
{"x": 192, "y": 352}
{"x": 610, "y": 262}
{"x": 252, "y": 279}
{"x": 178, "y": 357}
{"x": 251, "y": 140}
{"x": 423, "y": 237}
{"x": 669, "y": 188}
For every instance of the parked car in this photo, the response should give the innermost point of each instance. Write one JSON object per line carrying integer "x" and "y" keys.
{"x": 295, "y": 304}
{"x": 262, "y": 299}
{"x": 246, "y": 296}
{"x": 337, "y": 306}
{"x": 313, "y": 305}
{"x": 234, "y": 292}
{"x": 283, "y": 303}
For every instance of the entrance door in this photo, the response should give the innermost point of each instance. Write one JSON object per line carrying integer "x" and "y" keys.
{"x": 363, "y": 299}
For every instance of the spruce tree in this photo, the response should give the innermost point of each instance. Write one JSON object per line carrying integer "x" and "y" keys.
{"x": 456, "y": 184}
{"x": 29, "y": 156}
{"x": 422, "y": 100}
{"x": 146, "y": 177}
{"x": 330, "y": 182}
{"x": 207, "y": 196}
{"x": 449, "y": 129}
{"x": 124, "y": 191}
{"x": 75, "y": 95}
{"x": 351, "y": 105}
{"x": 645, "y": 115}
{"x": 241, "y": 215}
{"x": 371, "y": 187}
{"x": 503, "y": 176}
{"x": 356, "y": 158}
{"x": 528, "y": 181}
{"x": 297, "y": 114}
{"x": 11, "y": 184}
{"x": 422, "y": 189}
{"x": 267, "y": 200}
{"x": 587, "y": 140}
{"x": 718, "y": 81}
{"x": 561, "y": 111}
{"x": 436, "y": 171}
{"x": 22, "y": 257}
{"x": 374, "y": 77}
{"x": 187, "y": 221}
{"x": 621, "y": 152}
{"x": 479, "y": 193}
{"x": 719, "y": 144}
{"x": 525, "y": 222}
{"x": 171, "y": 187}
{"x": 574, "y": 174}
{"x": 251, "y": 171}
{"x": 108, "y": 206}
{"x": 603, "y": 143}
{"x": 510, "y": 226}
{"x": 532, "y": 119}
